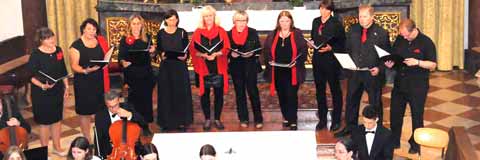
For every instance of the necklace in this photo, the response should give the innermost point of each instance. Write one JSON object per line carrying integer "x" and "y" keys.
{"x": 284, "y": 36}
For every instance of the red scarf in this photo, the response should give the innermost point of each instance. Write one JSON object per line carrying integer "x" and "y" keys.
{"x": 239, "y": 37}
{"x": 106, "y": 78}
{"x": 199, "y": 63}
{"x": 210, "y": 34}
{"x": 294, "y": 54}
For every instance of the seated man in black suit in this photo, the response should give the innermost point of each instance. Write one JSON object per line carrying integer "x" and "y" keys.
{"x": 16, "y": 119}
{"x": 373, "y": 141}
{"x": 114, "y": 111}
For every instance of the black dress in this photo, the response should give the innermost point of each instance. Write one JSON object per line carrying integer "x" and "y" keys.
{"x": 138, "y": 76}
{"x": 175, "y": 106}
{"x": 47, "y": 105}
{"x": 88, "y": 87}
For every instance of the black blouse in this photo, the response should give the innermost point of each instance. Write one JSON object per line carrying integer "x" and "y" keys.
{"x": 176, "y": 41}
{"x": 252, "y": 42}
{"x": 283, "y": 50}
{"x": 331, "y": 28}
{"x": 137, "y": 58}
{"x": 51, "y": 64}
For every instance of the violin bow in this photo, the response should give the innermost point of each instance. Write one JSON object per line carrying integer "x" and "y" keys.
{"x": 96, "y": 142}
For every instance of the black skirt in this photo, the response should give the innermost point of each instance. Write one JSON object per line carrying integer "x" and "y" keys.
{"x": 174, "y": 95}
{"x": 47, "y": 105}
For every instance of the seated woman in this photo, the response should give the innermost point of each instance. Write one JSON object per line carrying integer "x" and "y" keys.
{"x": 147, "y": 152}
{"x": 207, "y": 152}
{"x": 344, "y": 149}
{"x": 80, "y": 150}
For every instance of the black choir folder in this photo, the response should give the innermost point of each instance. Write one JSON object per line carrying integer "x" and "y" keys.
{"x": 321, "y": 43}
{"x": 36, "y": 153}
{"x": 215, "y": 48}
{"x": 245, "y": 53}
{"x": 385, "y": 56}
{"x": 51, "y": 79}
{"x": 105, "y": 61}
{"x": 285, "y": 65}
{"x": 173, "y": 53}
{"x": 145, "y": 50}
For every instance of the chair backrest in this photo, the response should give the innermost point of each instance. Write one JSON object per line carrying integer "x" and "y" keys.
{"x": 431, "y": 137}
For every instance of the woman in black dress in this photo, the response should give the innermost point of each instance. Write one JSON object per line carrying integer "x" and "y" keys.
{"x": 211, "y": 68}
{"x": 244, "y": 68}
{"x": 134, "y": 56}
{"x": 47, "y": 96}
{"x": 88, "y": 81}
{"x": 325, "y": 66}
{"x": 174, "y": 92}
{"x": 285, "y": 45}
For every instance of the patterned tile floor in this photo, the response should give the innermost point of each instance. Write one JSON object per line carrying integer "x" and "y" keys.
{"x": 453, "y": 100}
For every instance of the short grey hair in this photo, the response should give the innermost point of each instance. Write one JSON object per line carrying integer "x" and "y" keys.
{"x": 111, "y": 95}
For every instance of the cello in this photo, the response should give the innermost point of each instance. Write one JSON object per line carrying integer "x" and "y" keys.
{"x": 12, "y": 135}
{"x": 123, "y": 135}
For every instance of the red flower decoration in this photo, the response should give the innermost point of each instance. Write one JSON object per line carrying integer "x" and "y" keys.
{"x": 59, "y": 56}
{"x": 416, "y": 51}
{"x": 130, "y": 40}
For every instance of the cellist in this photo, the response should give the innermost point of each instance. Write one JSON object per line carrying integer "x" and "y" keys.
{"x": 16, "y": 119}
{"x": 114, "y": 111}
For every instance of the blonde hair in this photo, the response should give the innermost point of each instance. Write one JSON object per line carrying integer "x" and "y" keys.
{"x": 206, "y": 10}
{"x": 239, "y": 13}
{"x": 366, "y": 7}
{"x": 143, "y": 32}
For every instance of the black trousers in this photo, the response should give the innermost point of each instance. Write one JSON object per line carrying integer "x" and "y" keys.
{"x": 245, "y": 80}
{"x": 287, "y": 95}
{"x": 358, "y": 82}
{"x": 327, "y": 70}
{"x": 218, "y": 102}
{"x": 414, "y": 92}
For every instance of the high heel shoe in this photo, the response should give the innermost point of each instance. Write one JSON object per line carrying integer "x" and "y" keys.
{"x": 219, "y": 125}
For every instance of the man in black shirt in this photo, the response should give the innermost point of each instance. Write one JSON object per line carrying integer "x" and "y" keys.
{"x": 360, "y": 45}
{"x": 412, "y": 79}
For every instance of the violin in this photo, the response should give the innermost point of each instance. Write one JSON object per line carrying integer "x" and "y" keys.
{"x": 12, "y": 135}
{"x": 123, "y": 135}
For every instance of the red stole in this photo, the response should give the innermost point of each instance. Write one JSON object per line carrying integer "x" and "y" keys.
{"x": 106, "y": 78}
{"x": 199, "y": 63}
{"x": 239, "y": 37}
{"x": 294, "y": 54}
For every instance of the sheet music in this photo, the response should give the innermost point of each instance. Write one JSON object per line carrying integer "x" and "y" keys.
{"x": 211, "y": 49}
{"x": 347, "y": 62}
{"x": 53, "y": 79}
{"x": 245, "y": 53}
{"x": 380, "y": 52}
{"x": 289, "y": 65}
{"x": 310, "y": 41}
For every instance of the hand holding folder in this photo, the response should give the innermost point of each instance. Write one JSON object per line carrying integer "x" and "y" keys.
{"x": 285, "y": 65}
{"x": 173, "y": 53}
{"x": 245, "y": 54}
{"x": 105, "y": 61}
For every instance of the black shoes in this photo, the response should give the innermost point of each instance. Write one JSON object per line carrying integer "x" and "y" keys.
{"x": 293, "y": 127}
{"x": 334, "y": 127}
{"x": 207, "y": 125}
{"x": 219, "y": 125}
{"x": 285, "y": 123}
{"x": 343, "y": 133}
